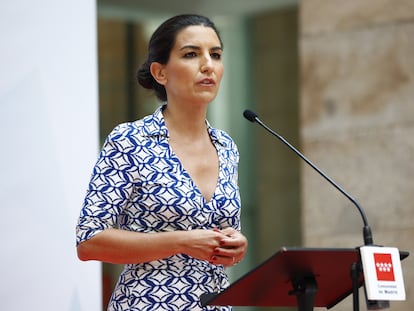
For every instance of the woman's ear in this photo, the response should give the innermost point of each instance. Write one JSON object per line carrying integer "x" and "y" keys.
{"x": 158, "y": 72}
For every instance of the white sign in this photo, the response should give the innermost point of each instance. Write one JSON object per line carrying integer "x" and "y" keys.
{"x": 382, "y": 273}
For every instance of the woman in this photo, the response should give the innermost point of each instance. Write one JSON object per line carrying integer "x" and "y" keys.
{"x": 163, "y": 197}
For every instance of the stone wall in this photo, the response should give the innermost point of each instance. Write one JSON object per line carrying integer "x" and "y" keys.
{"x": 357, "y": 124}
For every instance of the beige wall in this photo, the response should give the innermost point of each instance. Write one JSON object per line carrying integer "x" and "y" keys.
{"x": 357, "y": 123}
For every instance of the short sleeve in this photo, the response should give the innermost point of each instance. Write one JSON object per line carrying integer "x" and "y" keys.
{"x": 110, "y": 188}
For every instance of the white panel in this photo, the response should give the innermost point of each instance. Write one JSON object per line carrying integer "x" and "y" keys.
{"x": 49, "y": 140}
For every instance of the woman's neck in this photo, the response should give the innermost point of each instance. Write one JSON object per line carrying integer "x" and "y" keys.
{"x": 189, "y": 122}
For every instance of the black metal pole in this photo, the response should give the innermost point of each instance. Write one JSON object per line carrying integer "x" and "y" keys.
{"x": 305, "y": 290}
{"x": 355, "y": 285}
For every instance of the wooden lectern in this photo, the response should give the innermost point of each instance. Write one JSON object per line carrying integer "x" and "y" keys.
{"x": 302, "y": 277}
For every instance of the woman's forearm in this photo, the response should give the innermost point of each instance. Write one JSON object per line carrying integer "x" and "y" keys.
{"x": 122, "y": 247}
{"x": 129, "y": 247}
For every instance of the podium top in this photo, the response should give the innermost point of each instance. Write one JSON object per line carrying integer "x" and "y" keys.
{"x": 270, "y": 283}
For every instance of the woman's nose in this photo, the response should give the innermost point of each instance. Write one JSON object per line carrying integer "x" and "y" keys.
{"x": 207, "y": 64}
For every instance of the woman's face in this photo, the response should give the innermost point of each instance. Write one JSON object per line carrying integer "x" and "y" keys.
{"x": 194, "y": 70}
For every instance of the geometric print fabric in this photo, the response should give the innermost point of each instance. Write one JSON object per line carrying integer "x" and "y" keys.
{"x": 139, "y": 184}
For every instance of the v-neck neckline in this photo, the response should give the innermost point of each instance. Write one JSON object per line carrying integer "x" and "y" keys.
{"x": 193, "y": 183}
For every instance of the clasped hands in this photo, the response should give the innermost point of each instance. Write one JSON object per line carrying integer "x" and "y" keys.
{"x": 231, "y": 248}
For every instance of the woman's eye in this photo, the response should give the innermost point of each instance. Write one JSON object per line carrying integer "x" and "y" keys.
{"x": 190, "y": 55}
{"x": 216, "y": 55}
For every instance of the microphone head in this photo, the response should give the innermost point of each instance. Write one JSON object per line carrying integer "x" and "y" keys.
{"x": 250, "y": 115}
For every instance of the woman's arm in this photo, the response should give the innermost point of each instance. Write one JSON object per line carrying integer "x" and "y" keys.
{"x": 123, "y": 247}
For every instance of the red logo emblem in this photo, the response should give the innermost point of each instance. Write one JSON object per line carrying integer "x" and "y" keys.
{"x": 384, "y": 267}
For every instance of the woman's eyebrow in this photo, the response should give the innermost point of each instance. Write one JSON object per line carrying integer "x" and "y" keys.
{"x": 195, "y": 47}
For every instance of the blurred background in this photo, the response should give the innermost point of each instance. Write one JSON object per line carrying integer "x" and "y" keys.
{"x": 335, "y": 78}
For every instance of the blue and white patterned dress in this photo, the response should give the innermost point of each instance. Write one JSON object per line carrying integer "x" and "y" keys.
{"x": 139, "y": 184}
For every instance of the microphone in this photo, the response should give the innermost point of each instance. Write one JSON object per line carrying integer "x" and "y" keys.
{"x": 367, "y": 234}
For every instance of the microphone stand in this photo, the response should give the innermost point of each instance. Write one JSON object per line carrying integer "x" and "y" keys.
{"x": 367, "y": 234}
{"x": 356, "y": 268}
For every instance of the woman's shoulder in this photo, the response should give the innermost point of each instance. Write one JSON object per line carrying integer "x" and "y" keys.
{"x": 150, "y": 125}
{"x": 127, "y": 129}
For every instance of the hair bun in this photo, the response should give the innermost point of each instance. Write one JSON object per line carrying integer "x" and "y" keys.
{"x": 144, "y": 76}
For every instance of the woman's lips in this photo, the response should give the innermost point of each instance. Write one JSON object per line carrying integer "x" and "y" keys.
{"x": 207, "y": 81}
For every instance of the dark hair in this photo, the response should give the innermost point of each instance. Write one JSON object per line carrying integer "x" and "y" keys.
{"x": 160, "y": 45}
